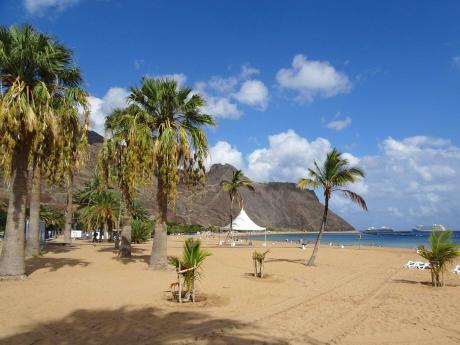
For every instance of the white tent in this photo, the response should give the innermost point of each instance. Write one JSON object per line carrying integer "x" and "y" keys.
{"x": 243, "y": 223}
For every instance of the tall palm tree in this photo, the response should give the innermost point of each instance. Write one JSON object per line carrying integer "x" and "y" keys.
{"x": 60, "y": 151}
{"x": 333, "y": 175}
{"x": 36, "y": 72}
{"x": 443, "y": 251}
{"x": 179, "y": 143}
{"x": 126, "y": 156}
{"x": 233, "y": 187}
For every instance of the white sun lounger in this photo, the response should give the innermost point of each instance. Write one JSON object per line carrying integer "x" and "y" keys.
{"x": 423, "y": 265}
{"x": 411, "y": 264}
{"x": 456, "y": 270}
{"x": 417, "y": 265}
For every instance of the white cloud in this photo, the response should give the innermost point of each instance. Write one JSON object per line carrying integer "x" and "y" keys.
{"x": 415, "y": 177}
{"x": 310, "y": 78}
{"x": 225, "y": 95}
{"x": 339, "y": 124}
{"x": 222, "y": 85}
{"x": 180, "y": 78}
{"x": 254, "y": 93}
{"x": 224, "y": 153}
{"x": 456, "y": 61}
{"x": 248, "y": 71}
{"x": 39, "y": 6}
{"x": 101, "y": 107}
{"x": 287, "y": 158}
{"x": 221, "y": 107}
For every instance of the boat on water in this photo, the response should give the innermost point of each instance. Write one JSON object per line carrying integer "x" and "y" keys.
{"x": 384, "y": 230}
{"x": 427, "y": 229}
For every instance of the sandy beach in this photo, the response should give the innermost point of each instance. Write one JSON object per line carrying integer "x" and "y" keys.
{"x": 86, "y": 295}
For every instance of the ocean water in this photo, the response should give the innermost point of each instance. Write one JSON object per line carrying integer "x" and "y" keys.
{"x": 352, "y": 239}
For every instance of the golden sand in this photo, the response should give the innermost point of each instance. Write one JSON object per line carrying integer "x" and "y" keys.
{"x": 86, "y": 295}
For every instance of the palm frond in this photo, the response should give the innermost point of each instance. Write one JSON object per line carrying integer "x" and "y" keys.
{"x": 356, "y": 198}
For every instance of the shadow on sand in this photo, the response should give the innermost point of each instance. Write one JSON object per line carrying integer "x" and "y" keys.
{"x": 53, "y": 264}
{"x": 298, "y": 261}
{"x": 416, "y": 282}
{"x": 139, "y": 326}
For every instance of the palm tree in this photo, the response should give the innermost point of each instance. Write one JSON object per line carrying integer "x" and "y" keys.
{"x": 442, "y": 252}
{"x": 180, "y": 147}
{"x": 126, "y": 157}
{"x": 232, "y": 187}
{"x": 103, "y": 209}
{"x": 332, "y": 176}
{"x": 38, "y": 78}
{"x": 193, "y": 256}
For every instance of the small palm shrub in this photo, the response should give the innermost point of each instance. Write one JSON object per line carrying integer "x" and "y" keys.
{"x": 443, "y": 251}
{"x": 141, "y": 230}
{"x": 258, "y": 259}
{"x": 192, "y": 256}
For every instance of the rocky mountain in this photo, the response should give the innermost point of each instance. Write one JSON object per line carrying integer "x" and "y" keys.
{"x": 274, "y": 205}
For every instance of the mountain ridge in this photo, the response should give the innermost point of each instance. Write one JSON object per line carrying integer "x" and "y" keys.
{"x": 275, "y": 205}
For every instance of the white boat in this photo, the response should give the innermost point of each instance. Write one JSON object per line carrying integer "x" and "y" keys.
{"x": 427, "y": 229}
{"x": 384, "y": 230}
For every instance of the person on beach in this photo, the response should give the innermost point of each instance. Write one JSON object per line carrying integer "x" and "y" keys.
{"x": 94, "y": 236}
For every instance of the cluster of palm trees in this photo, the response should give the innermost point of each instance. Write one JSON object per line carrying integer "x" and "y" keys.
{"x": 43, "y": 120}
{"x": 44, "y": 115}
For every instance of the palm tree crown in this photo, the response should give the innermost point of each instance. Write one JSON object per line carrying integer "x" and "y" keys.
{"x": 237, "y": 182}
{"x": 333, "y": 176}
{"x": 174, "y": 116}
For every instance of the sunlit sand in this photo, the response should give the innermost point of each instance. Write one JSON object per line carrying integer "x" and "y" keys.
{"x": 86, "y": 295}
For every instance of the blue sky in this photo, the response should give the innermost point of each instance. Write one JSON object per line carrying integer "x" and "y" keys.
{"x": 288, "y": 80}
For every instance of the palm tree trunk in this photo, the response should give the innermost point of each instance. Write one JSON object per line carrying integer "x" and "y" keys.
{"x": 12, "y": 264}
{"x": 231, "y": 219}
{"x": 311, "y": 261}
{"x": 125, "y": 245}
{"x": 117, "y": 239}
{"x": 158, "y": 259}
{"x": 105, "y": 231}
{"x": 69, "y": 212}
{"x": 33, "y": 238}
{"x": 109, "y": 230}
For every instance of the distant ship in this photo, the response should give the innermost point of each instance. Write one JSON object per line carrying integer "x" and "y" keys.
{"x": 384, "y": 230}
{"x": 427, "y": 229}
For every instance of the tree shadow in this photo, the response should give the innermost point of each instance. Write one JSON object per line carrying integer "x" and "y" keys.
{"x": 292, "y": 261}
{"x": 53, "y": 264}
{"x": 417, "y": 282}
{"x": 140, "y": 326}
{"x": 133, "y": 259}
{"x": 57, "y": 248}
{"x": 112, "y": 249}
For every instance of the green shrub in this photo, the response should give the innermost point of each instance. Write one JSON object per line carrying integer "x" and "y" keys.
{"x": 174, "y": 228}
{"x": 141, "y": 230}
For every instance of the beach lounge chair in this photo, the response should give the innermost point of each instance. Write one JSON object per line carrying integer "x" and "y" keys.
{"x": 423, "y": 265}
{"x": 456, "y": 270}
{"x": 411, "y": 264}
